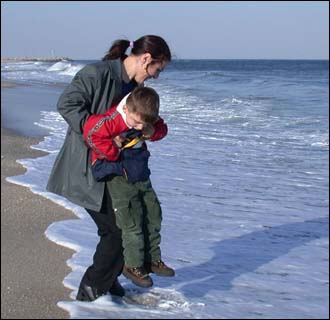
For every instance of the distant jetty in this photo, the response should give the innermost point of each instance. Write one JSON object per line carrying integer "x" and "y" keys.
{"x": 42, "y": 59}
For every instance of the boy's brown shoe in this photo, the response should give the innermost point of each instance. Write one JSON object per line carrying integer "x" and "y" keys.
{"x": 160, "y": 269}
{"x": 138, "y": 275}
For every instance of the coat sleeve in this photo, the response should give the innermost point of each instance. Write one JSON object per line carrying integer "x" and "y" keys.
{"x": 75, "y": 102}
{"x": 160, "y": 130}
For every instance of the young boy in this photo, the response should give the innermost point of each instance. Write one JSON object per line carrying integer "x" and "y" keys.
{"x": 120, "y": 156}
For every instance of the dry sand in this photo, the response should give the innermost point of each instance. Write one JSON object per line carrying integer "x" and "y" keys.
{"x": 32, "y": 266}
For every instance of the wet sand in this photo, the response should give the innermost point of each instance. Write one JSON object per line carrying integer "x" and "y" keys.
{"x": 32, "y": 267}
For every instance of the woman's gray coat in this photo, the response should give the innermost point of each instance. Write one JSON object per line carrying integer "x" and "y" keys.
{"x": 92, "y": 91}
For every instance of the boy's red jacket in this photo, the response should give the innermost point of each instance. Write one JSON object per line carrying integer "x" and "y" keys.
{"x": 99, "y": 131}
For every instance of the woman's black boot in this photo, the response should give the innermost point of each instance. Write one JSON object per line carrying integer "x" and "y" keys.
{"x": 87, "y": 293}
{"x": 117, "y": 289}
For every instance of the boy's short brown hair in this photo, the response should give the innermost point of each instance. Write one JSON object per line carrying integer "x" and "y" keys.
{"x": 145, "y": 102}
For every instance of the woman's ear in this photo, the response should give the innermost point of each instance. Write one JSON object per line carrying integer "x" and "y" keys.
{"x": 146, "y": 58}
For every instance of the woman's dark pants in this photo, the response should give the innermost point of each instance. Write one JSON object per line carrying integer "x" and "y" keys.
{"x": 108, "y": 258}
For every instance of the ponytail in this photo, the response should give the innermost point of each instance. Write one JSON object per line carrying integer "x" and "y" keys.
{"x": 117, "y": 50}
{"x": 155, "y": 45}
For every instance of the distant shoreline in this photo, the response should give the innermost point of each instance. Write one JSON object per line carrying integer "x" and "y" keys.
{"x": 42, "y": 59}
{"x": 6, "y": 84}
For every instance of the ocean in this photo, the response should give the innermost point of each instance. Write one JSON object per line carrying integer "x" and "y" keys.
{"x": 243, "y": 180}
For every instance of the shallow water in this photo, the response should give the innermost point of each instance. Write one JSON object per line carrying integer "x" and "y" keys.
{"x": 243, "y": 181}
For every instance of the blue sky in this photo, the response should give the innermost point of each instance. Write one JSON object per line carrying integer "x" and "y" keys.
{"x": 195, "y": 30}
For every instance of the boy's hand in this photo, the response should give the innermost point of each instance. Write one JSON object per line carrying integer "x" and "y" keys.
{"x": 118, "y": 141}
{"x": 148, "y": 131}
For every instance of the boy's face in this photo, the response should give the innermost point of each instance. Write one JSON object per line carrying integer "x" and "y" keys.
{"x": 134, "y": 119}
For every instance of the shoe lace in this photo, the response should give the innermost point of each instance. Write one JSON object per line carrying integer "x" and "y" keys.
{"x": 140, "y": 272}
{"x": 160, "y": 264}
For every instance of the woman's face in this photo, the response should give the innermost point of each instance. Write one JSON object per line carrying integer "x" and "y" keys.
{"x": 149, "y": 68}
{"x": 154, "y": 69}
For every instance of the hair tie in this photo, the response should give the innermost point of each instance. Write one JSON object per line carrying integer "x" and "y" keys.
{"x": 131, "y": 44}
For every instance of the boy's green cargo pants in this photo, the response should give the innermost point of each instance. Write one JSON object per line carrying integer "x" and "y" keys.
{"x": 138, "y": 215}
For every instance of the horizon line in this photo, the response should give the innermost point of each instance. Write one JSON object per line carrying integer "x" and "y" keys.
{"x": 40, "y": 58}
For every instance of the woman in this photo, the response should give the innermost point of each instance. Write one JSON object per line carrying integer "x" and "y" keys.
{"x": 92, "y": 91}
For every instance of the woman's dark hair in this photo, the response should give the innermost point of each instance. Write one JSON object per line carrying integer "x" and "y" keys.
{"x": 155, "y": 45}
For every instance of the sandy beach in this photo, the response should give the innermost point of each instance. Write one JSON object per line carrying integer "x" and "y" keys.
{"x": 32, "y": 267}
